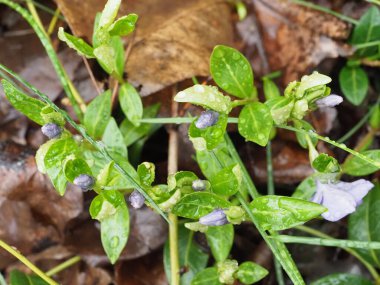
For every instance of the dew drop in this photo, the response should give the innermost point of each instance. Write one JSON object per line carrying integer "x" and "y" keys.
{"x": 199, "y": 88}
{"x": 181, "y": 95}
{"x": 115, "y": 241}
{"x": 218, "y": 53}
{"x": 235, "y": 56}
{"x": 225, "y": 85}
{"x": 261, "y": 137}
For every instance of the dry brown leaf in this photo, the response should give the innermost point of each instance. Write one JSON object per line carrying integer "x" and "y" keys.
{"x": 297, "y": 39}
{"x": 173, "y": 41}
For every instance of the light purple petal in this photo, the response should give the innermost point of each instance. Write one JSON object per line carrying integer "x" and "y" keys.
{"x": 339, "y": 204}
{"x": 317, "y": 198}
{"x": 330, "y": 101}
{"x": 215, "y": 218}
{"x": 358, "y": 189}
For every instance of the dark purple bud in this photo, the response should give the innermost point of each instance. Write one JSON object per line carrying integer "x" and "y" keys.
{"x": 215, "y": 218}
{"x": 198, "y": 185}
{"x": 136, "y": 199}
{"x": 207, "y": 119}
{"x": 84, "y": 181}
{"x": 51, "y": 130}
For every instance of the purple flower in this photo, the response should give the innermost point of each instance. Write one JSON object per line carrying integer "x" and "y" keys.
{"x": 215, "y": 218}
{"x": 51, "y": 130}
{"x": 207, "y": 119}
{"x": 341, "y": 198}
{"x": 136, "y": 199}
{"x": 198, "y": 185}
{"x": 329, "y": 101}
{"x": 84, "y": 181}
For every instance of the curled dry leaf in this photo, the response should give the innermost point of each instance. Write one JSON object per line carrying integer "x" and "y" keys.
{"x": 173, "y": 41}
{"x": 297, "y": 39}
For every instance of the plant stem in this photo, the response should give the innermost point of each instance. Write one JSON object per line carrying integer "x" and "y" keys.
{"x": 53, "y": 22}
{"x": 173, "y": 226}
{"x": 353, "y": 252}
{"x": 74, "y": 98}
{"x": 63, "y": 266}
{"x": 25, "y": 261}
{"x": 272, "y": 75}
{"x": 97, "y": 145}
{"x": 236, "y": 103}
{"x": 34, "y": 13}
{"x": 277, "y": 265}
{"x": 365, "y": 45}
{"x": 326, "y": 10}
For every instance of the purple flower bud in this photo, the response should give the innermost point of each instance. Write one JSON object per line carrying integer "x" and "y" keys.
{"x": 207, "y": 119}
{"x": 136, "y": 199}
{"x": 215, "y": 218}
{"x": 198, "y": 185}
{"x": 84, "y": 181}
{"x": 51, "y": 130}
{"x": 329, "y": 101}
{"x": 342, "y": 198}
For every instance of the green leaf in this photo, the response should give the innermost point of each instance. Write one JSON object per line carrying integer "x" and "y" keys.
{"x": 374, "y": 120}
{"x": 326, "y": 164}
{"x": 199, "y": 204}
{"x": 73, "y": 167}
{"x": 109, "y": 13}
{"x": 114, "y": 232}
{"x": 363, "y": 224}
{"x": 210, "y": 137}
{"x": 114, "y": 140}
{"x": 40, "y": 155}
{"x": 123, "y": 26}
{"x": 75, "y": 43}
{"x": 131, "y": 104}
{"x": 220, "y": 240}
{"x": 270, "y": 89}
{"x": 227, "y": 181}
{"x": 49, "y": 115}
{"x": 132, "y": 133}
{"x": 354, "y": 84}
{"x": 20, "y": 278}
{"x": 146, "y": 173}
{"x": 305, "y": 189}
{"x": 311, "y": 81}
{"x": 191, "y": 256}
{"x": 342, "y": 279}
{"x": 249, "y": 272}
{"x": 182, "y": 180}
{"x": 356, "y": 166}
{"x": 232, "y": 72}
{"x": 119, "y": 60}
{"x": 105, "y": 54}
{"x": 27, "y": 105}
{"x": 111, "y": 178}
{"x": 280, "y": 109}
{"x": 255, "y": 123}
{"x": 280, "y": 213}
{"x": 98, "y": 114}
{"x": 100, "y": 208}
{"x": 301, "y": 138}
{"x": 54, "y": 159}
{"x": 367, "y": 30}
{"x": 208, "y": 276}
{"x": 206, "y": 96}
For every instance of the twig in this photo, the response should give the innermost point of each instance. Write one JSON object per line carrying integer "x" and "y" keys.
{"x": 93, "y": 80}
{"x": 63, "y": 266}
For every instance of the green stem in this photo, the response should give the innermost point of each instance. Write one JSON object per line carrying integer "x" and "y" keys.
{"x": 97, "y": 145}
{"x": 73, "y": 97}
{"x": 27, "y": 263}
{"x": 317, "y": 233}
{"x": 326, "y": 10}
{"x": 334, "y": 143}
{"x": 45, "y": 8}
{"x": 53, "y": 22}
{"x": 272, "y": 75}
{"x": 34, "y": 13}
{"x": 173, "y": 247}
{"x": 236, "y": 103}
{"x": 365, "y": 45}
{"x": 277, "y": 265}
{"x": 60, "y": 267}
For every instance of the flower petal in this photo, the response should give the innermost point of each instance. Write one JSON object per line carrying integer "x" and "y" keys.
{"x": 339, "y": 204}
{"x": 358, "y": 189}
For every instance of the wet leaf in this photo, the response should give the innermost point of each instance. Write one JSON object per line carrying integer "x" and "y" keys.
{"x": 114, "y": 140}
{"x": 358, "y": 167}
{"x": 78, "y": 44}
{"x": 305, "y": 189}
{"x": 73, "y": 167}
{"x": 146, "y": 173}
{"x": 280, "y": 108}
{"x": 270, "y": 89}
{"x": 342, "y": 279}
{"x": 98, "y": 114}
{"x": 199, "y": 204}
{"x": 208, "y": 276}
{"x": 27, "y": 105}
{"x": 20, "y": 278}
{"x": 227, "y": 181}
{"x": 280, "y": 213}
{"x": 255, "y": 123}
{"x": 232, "y": 72}
{"x": 124, "y": 25}
{"x": 220, "y": 240}
{"x": 249, "y": 273}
